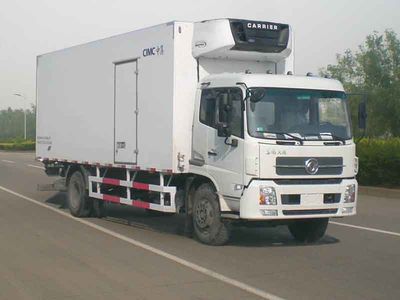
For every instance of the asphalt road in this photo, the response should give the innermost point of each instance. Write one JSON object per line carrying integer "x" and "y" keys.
{"x": 46, "y": 254}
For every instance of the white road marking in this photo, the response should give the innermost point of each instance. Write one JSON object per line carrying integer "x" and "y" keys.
{"x": 367, "y": 228}
{"x": 8, "y": 161}
{"x": 33, "y": 166}
{"x": 243, "y": 286}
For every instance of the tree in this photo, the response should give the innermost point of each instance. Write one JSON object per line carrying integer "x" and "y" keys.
{"x": 374, "y": 69}
{"x": 12, "y": 123}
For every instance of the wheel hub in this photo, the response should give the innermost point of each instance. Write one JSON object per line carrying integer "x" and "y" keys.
{"x": 204, "y": 214}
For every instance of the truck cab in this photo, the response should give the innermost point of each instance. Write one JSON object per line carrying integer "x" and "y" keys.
{"x": 276, "y": 146}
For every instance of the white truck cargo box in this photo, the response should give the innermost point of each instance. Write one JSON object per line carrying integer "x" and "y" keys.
{"x": 118, "y": 100}
{"x": 128, "y": 100}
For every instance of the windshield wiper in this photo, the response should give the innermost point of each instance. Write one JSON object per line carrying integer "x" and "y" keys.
{"x": 288, "y": 134}
{"x": 318, "y": 135}
{"x": 334, "y": 137}
{"x": 338, "y": 138}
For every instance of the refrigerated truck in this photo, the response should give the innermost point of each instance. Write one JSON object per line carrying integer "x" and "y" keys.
{"x": 200, "y": 118}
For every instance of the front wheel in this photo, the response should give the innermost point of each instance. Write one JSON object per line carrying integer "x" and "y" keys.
{"x": 208, "y": 226}
{"x": 308, "y": 231}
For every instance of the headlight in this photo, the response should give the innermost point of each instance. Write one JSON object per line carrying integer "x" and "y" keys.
{"x": 355, "y": 165}
{"x": 267, "y": 195}
{"x": 350, "y": 193}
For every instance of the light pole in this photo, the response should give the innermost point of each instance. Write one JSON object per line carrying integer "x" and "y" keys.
{"x": 22, "y": 96}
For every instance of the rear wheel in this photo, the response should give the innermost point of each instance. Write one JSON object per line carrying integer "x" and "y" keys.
{"x": 99, "y": 208}
{"x": 207, "y": 224}
{"x": 308, "y": 231}
{"x": 78, "y": 199}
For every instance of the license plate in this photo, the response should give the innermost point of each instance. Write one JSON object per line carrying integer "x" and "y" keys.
{"x": 311, "y": 199}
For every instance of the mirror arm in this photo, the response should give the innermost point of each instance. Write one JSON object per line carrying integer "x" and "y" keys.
{"x": 222, "y": 130}
{"x": 247, "y": 89}
{"x": 233, "y": 143}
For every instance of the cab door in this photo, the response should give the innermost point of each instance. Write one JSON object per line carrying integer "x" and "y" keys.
{"x": 224, "y": 161}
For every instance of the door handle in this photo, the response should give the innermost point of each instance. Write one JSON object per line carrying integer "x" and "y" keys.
{"x": 212, "y": 152}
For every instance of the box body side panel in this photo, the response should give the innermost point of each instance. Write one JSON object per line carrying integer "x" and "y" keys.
{"x": 185, "y": 84}
{"x": 75, "y": 97}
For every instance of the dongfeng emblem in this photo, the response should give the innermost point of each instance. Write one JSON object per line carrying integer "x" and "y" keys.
{"x": 311, "y": 166}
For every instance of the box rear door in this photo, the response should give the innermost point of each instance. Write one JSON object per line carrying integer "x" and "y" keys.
{"x": 125, "y": 114}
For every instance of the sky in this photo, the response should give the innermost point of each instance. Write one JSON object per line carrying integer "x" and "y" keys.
{"x": 30, "y": 28}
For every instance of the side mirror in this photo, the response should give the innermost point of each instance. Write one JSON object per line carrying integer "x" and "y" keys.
{"x": 223, "y": 130}
{"x": 225, "y": 109}
{"x": 256, "y": 94}
{"x": 362, "y": 115}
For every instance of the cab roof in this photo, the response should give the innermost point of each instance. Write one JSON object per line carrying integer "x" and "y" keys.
{"x": 272, "y": 80}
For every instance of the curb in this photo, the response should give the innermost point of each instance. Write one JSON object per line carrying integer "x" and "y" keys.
{"x": 379, "y": 192}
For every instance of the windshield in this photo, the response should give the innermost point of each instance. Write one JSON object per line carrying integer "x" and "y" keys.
{"x": 301, "y": 113}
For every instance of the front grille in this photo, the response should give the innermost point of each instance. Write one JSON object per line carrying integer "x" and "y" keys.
{"x": 307, "y": 181}
{"x": 290, "y": 199}
{"x": 331, "y": 198}
{"x": 296, "y": 165}
{"x": 309, "y": 212}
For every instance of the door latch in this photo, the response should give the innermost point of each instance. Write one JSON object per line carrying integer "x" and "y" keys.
{"x": 212, "y": 152}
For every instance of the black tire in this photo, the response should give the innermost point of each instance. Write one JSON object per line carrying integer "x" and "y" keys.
{"x": 99, "y": 208}
{"x": 156, "y": 213}
{"x": 308, "y": 231}
{"x": 78, "y": 200}
{"x": 207, "y": 224}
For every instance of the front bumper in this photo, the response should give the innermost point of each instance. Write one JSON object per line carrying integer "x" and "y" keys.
{"x": 311, "y": 204}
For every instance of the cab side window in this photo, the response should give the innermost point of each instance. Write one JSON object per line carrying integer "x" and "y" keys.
{"x": 222, "y": 105}
{"x": 207, "y": 108}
